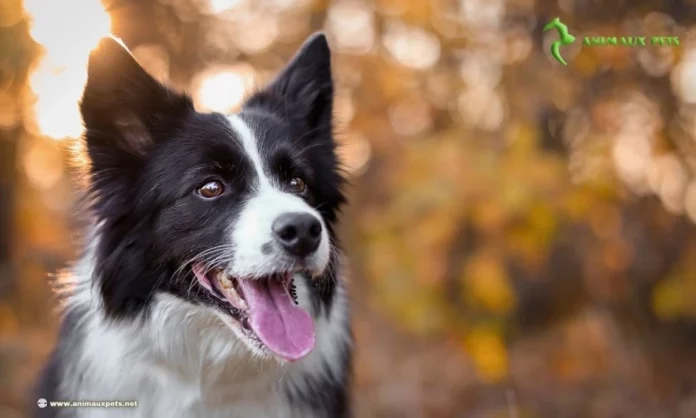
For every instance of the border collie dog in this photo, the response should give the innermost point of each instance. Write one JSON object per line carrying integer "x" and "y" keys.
{"x": 210, "y": 285}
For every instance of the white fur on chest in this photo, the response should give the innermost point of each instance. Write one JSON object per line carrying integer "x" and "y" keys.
{"x": 185, "y": 362}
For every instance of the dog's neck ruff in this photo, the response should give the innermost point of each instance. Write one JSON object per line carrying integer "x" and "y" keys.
{"x": 182, "y": 360}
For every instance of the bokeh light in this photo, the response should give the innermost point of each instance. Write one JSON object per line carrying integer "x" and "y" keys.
{"x": 351, "y": 24}
{"x": 43, "y": 165}
{"x": 412, "y": 47}
{"x": 218, "y": 6}
{"x": 67, "y": 38}
{"x": 223, "y": 89}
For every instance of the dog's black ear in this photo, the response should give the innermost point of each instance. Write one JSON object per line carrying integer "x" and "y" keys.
{"x": 125, "y": 111}
{"x": 123, "y": 107}
{"x": 305, "y": 86}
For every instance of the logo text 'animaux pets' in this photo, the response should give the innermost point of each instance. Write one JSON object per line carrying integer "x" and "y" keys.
{"x": 565, "y": 38}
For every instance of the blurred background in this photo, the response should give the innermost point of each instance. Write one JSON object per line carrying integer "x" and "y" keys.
{"x": 521, "y": 233}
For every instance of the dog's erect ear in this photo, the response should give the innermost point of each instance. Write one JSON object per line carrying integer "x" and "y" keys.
{"x": 123, "y": 106}
{"x": 125, "y": 111}
{"x": 305, "y": 86}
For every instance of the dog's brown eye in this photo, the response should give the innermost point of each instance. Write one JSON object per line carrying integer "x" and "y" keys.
{"x": 211, "y": 189}
{"x": 297, "y": 185}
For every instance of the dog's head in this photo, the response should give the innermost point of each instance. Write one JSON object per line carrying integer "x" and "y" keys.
{"x": 224, "y": 211}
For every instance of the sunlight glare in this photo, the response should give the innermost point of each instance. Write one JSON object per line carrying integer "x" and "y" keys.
{"x": 219, "y": 6}
{"x": 67, "y": 37}
{"x": 222, "y": 90}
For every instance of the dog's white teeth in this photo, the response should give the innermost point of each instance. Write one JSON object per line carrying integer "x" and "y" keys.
{"x": 232, "y": 292}
{"x": 224, "y": 281}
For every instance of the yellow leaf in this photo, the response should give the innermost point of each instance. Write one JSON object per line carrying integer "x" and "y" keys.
{"x": 487, "y": 350}
{"x": 667, "y": 299}
{"x": 488, "y": 284}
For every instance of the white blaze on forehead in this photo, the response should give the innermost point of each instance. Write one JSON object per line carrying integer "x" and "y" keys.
{"x": 250, "y": 147}
{"x": 252, "y": 230}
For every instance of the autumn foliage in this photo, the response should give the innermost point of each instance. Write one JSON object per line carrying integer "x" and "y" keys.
{"x": 521, "y": 234}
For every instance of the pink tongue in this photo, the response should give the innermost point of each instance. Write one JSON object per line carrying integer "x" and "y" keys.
{"x": 282, "y": 326}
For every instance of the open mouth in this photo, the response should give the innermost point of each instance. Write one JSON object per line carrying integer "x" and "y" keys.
{"x": 266, "y": 309}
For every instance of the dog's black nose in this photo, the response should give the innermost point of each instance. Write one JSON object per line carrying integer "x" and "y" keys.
{"x": 298, "y": 233}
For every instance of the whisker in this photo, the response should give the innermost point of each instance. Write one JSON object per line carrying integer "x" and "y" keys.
{"x": 311, "y": 131}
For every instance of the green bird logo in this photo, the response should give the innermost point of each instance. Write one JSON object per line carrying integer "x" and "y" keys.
{"x": 565, "y": 38}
